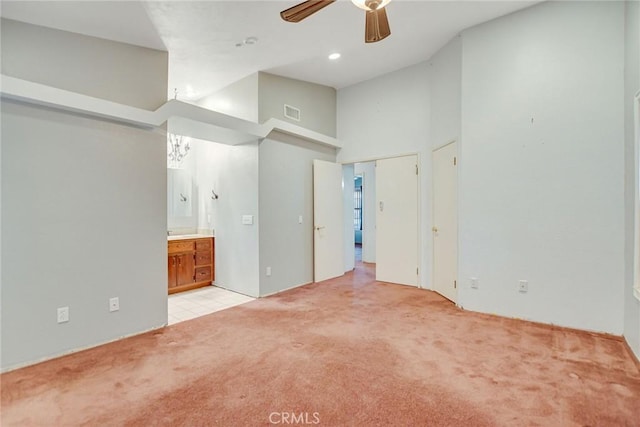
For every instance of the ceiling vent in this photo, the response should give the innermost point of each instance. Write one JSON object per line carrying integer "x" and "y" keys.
{"x": 292, "y": 113}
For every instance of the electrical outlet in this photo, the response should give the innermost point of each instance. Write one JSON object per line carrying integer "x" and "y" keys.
{"x": 523, "y": 286}
{"x": 63, "y": 314}
{"x": 114, "y": 304}
{"x": 268, "y": 271}
{"x": 474, "y": 283}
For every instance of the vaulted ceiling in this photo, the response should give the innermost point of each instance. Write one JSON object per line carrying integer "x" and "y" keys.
{"x": 205, "y": 39}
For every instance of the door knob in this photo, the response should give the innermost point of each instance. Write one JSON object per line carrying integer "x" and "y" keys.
{"x": 319, "y": 228}
{"x": 434, "y": 229}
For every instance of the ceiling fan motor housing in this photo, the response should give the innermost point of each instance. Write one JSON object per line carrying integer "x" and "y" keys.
{"x": 370, "y": 5}
{"x": 376, "y": 21}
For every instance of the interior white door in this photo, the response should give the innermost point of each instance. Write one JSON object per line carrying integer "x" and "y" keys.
{"x": 397, "y": 220}
{"x": 445, "y": 221}
{"x": 328, "y": 230}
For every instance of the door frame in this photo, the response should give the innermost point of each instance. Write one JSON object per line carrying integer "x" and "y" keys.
{"x": 433, "y": 249}
{"x": 362, "y": 222}
{"x": 419, "y": 201}
{"x": 636, "y": 186}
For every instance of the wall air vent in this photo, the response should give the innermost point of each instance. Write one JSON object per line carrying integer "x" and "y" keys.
{"x": 292, "y": 113}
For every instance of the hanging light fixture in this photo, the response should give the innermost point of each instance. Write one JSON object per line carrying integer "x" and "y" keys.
{"x": 177, "y": 146}
{"x": 370, "y": 5}
{"x": 177, "y": 149}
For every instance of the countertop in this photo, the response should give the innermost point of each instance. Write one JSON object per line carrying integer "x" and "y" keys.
{"x": 188, "y": 236}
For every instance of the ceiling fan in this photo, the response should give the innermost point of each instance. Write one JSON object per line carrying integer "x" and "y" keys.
{"x": 376, "y": 24}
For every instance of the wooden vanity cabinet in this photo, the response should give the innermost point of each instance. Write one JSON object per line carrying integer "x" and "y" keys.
{"x": 190, "y": 264}
{"x": 180, "y": 270}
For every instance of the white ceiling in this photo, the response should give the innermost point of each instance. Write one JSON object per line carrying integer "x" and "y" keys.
{"x": 201, "y": 36}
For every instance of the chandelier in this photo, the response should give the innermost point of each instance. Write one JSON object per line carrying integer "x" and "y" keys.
{"x": 177, "y": 149}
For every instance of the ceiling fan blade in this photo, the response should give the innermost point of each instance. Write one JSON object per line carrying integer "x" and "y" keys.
{"x": 300, "y": 11}
{"x": 377, "y": 26}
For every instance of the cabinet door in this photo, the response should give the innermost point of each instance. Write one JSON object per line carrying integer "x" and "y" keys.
{"x": 173, "y": 272}
{"x": 185, "y": 269}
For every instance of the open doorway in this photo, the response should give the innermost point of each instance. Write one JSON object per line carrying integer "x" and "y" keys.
{"x": 381, "y": 218}
{"x": 390, "y": 212}
{"x": 202, "y": 230}
{"x": 357, "y": 217}
{"x": 364, "y": 213}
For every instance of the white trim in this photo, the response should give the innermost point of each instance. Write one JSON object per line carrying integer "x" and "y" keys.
{"x": 444, "y": 145}
{"x": 277, "y": 125}
{"x": 76, "y": 350}
{"x": 636, "y": 186}
{"x": 182, "y": 118}
{"x": 290, "y": 288}
{"x": 374, "y": 159}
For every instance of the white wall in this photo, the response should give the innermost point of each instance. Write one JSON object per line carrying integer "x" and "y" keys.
{"x": 316, "y": 102}
{"x": 239, "y": 99}
{"x": 233, "y": 172}
{"x": 387, "y": 117}
{"x": 118, "y": 72}
{"x": 348, "y": 188}
{"x": 83, "y": 201}
{"x": 286, "y": 192}
{"x": 368, "y": 172}
{"x": 445, "y": 80}
{"x": 541, "y": 172}
{"x": 632, "y": 86}
{"x": 84, "y": 220}
{"x": 284, "y": 188}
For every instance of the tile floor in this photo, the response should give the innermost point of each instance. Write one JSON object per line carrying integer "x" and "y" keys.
{"x": 198, "y": 302}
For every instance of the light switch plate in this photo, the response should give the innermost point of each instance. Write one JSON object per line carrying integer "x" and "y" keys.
{"x": 247, "y": 219}
{"x": 63, "y": 314}
{"x": 300, "y": 219}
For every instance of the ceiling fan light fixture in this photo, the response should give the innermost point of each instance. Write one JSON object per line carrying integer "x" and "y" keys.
{"x": 370, "y": 5}
{"x": 376, "y": 21}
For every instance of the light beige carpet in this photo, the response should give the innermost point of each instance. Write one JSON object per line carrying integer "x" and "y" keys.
{"x": 349, "y": 351}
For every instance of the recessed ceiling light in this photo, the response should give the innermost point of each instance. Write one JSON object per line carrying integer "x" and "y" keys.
{"x": 248, "y": 41}
{"x": 334, "y": 56}
{"x": 251, "y": 40}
